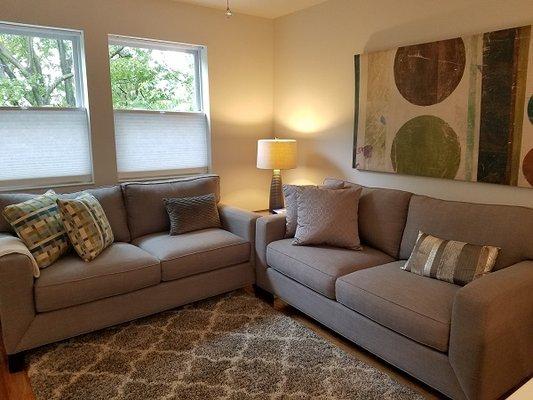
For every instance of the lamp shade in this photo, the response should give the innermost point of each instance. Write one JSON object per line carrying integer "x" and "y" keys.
{"x": 276, "y": 154}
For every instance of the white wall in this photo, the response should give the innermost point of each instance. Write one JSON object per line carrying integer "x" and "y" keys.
{"x": 240, "y": 56}
{"x": 314, "y": 80}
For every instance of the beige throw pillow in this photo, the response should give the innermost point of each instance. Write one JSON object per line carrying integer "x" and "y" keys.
{"x": 328, "y": 217}
{"x": 450, "y": 260}
{"x": 290, "y": 193}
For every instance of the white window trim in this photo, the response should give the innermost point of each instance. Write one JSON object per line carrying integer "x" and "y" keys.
{"x": 142, "y": 111}
{"x": 160, "y": 174}
{"x": 202, "y": 96}
{"x": 82, "y": 102}
{"x": 147, "y": 43}
{"x": 45, "y": 183}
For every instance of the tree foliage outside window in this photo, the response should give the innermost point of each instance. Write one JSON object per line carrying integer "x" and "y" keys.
{"x": 152, "y": 79}
{"x": 36, "y": 72}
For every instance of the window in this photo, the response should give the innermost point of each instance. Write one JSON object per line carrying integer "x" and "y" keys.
{"x": 161, "y": 127}
{"x": 44, "y": 126}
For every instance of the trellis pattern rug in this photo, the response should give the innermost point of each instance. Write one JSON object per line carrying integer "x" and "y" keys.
{"x": 233, "y": 347}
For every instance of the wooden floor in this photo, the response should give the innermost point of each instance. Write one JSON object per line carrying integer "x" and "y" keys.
{"x": 13, "y": 386}
{"x": 17, "y": 386}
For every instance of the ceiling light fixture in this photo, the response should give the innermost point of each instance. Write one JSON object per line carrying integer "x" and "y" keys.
{"x": 228, "y": 10}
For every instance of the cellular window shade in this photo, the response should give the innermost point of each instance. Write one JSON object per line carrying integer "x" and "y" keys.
{"x": 152, "y": 144}
{"x": 44, "y": 147}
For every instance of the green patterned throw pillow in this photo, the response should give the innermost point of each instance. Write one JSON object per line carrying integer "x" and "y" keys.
{"x": 37, "y": 222}
{"x": 86, "y": 224}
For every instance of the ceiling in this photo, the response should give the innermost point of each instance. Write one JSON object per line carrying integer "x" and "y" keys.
{"x": 260, "y": 8}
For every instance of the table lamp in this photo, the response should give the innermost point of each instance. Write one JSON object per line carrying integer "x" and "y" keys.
{"x": 276, "y": 154}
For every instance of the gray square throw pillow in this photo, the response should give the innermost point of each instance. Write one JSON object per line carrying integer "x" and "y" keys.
{"x": 290, "y": 192}
{"x": 328, "y": 217}
{"x": 189, "y": 214}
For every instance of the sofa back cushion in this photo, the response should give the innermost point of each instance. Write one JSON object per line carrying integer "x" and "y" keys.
{"x": 145, "y": 205}
{"x": 109, "y": 197}
{"x": 507, "y": 227}
{"x": 6, "y": 199}
{"x": 382, "y": 216}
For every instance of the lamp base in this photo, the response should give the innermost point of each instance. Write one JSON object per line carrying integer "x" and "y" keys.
{"x": 276, "y": 191}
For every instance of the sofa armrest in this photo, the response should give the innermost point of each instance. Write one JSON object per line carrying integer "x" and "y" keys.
{"x": 239, "y": 222}
{"x": 268, "y": 229}
{"x": 17, "y": 309}
{"x": 491, "y": 337}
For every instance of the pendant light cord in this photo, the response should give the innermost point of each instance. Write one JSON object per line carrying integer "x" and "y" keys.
{"x": 228, "y": 10}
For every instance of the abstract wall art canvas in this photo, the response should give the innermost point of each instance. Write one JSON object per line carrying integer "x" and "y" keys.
{"x": 458, "y": 109}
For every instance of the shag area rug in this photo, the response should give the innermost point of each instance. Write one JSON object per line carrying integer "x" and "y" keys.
{"x": 233, "y": 347}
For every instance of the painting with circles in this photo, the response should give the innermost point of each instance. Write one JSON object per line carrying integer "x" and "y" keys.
{"x": 460, "y": 109}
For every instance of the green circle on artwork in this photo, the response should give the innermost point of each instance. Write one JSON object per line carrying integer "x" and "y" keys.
{"x": 426, "y": 146}
{"x": 426, "y": 74}
{"x": 530, "y": 109}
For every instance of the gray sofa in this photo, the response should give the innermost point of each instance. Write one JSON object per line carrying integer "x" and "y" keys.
{"x": 472, "y": 342}
{"x": 145, "y": 271}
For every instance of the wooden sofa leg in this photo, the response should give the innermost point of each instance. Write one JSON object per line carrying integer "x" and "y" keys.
{"x": 16, "y": 362}
{"x": 264, "y": 295}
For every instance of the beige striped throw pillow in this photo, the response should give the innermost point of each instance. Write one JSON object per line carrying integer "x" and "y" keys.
{"x": 450, "y": 260}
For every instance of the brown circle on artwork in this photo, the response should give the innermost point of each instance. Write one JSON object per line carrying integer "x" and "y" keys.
{"x": 527, "y": 167}
{"x": 425, "y": 74}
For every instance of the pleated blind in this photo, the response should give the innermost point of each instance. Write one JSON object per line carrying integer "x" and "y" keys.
{"x": 153, "y": 144}
{"x": 44, "y": 147}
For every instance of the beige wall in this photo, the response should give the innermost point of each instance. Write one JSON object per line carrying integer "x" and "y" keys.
{"x": 314, "y": 80}
{"x": 293, "y": 76}
{"x": 240, "y": 56}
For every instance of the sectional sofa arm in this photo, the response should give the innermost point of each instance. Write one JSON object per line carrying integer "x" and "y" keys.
{"x": 268, "y": 229}
{"x": 17, "y": 309}
{"x": 239, "y": 222}
{"x": 491, "y": 337}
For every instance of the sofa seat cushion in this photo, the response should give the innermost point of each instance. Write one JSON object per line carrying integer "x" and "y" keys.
{"x": 412, "y": 305}
{"x": 195, "y": 252}
{"x": 120, "y": 268}
{"x": 318, "y": 267}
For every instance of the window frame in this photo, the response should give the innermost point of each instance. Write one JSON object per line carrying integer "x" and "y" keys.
{"x": 77, "y": 38}
{"x": 195, "y": 50}
{"x": 202, "y": 100}
{"x": 78, "y": 62}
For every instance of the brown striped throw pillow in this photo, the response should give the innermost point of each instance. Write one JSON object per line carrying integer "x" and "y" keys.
{"x": 449, "y": 260}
